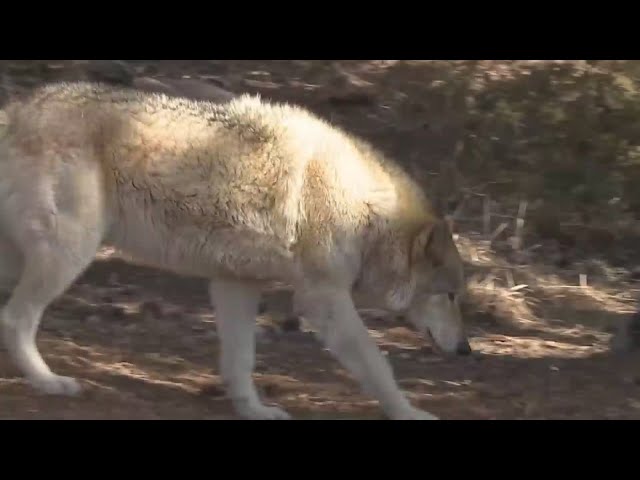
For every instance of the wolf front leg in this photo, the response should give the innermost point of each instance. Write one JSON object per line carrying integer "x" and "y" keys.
{"x": 236, "y": 305}
{"x": 332, "y": 313}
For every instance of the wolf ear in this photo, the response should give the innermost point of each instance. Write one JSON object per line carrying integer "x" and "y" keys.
{"x": 432, "y": 242}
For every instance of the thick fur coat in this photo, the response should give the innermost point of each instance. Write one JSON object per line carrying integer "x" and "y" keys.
{"x": 241, "y": 193}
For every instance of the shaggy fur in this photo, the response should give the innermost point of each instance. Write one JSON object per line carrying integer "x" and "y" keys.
{"x": 240, "y": 193}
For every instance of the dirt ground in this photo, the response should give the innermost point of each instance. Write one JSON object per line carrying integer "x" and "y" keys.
{"x": 144, "y": 343}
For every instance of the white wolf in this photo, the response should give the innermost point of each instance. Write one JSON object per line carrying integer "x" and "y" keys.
{"x": 241, "y": 193}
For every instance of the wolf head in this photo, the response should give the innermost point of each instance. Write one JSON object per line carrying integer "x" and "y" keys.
{"x": 423, "y": 280}
{"x": 437, "y": 273}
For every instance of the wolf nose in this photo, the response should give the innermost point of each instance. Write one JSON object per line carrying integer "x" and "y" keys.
{"x": 463, "y": 348}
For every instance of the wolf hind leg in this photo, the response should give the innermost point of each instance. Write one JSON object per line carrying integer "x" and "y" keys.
{"x": 52, "y": 262}
{"x": 57, "y": 233}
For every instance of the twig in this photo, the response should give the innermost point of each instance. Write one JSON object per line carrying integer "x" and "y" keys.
{"x": 533, "y": 247}
{"x": 473, "y": 191}
{"x": 486, "y": 215}
{"x": 562, "y": 287}
{"x": 453, "y": 217}
{"x": 493, "y": 214}
{"x": 488, "y": 282}
{"x": 520, "y": 225}
{"x": 510, "y": 281}
{"x": 498, "y": 231}
{"x": 456, "y": 213}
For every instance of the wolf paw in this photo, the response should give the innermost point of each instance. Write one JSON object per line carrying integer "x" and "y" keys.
{"x": 56, "y": 385}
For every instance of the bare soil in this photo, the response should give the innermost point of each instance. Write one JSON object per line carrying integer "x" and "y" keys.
{"x": 144, "y": 343}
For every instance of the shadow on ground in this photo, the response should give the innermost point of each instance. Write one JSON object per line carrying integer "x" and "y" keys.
{"x": 144, "y": 344}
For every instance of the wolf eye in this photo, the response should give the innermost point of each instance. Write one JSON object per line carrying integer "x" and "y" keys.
{"x": 452, "y": 296}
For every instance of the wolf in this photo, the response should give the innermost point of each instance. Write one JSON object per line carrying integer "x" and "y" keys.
{"x": 241, "y": 193}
